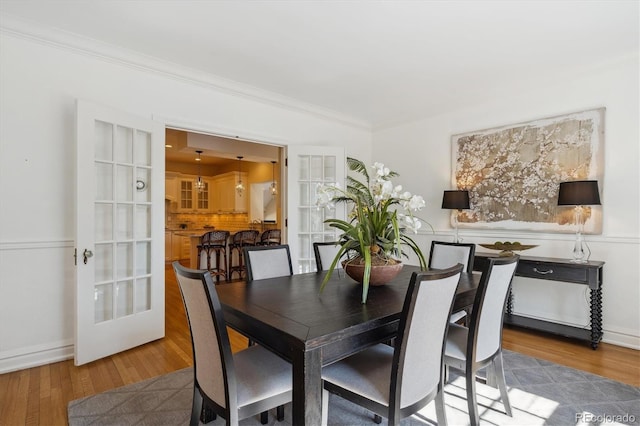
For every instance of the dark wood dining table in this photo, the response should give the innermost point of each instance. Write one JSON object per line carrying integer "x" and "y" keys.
{"x": 289, "y": 316}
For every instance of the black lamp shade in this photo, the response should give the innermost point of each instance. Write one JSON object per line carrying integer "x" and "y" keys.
{"x": 455, "y": 200}
{"x": 579, "y": 193}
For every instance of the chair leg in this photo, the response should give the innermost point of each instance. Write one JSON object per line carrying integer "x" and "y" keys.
{"x": 196, "y": 407}
{"x": 208, "y": 415}
{"x": 498, "y": 370}
{"x": 208, "y": 259}
{"x": 377, "y": 419}
{"x": 264, "y": 417}
{"x": 491, "y": 376}
{"x": 441, "y": 414}
{"x": 325, "y": 407}
{"x": 472, "y": 403}
{"x": 217, "y": 257}
{"x": 280, "y": 413}
{"x": 202, "y": 257}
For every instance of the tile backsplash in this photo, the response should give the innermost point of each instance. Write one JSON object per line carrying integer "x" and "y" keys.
{"x": 227, "y": 221}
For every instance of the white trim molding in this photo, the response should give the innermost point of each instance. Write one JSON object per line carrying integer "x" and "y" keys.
{"x": 35, "y": 356}
{"x": 11, "y": 25}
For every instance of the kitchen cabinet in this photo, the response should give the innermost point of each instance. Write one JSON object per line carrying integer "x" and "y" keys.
{"x": 171, "y": 186}
{"x": 190, "y": 199}
{"x": 173, "y": 246}
{"x": 167, "y": 246}
{"x": 225, "y": 197}
{"x": 185, "y": 247}
{"x": 176, "y": 246}
{"x": 183, "y": 243}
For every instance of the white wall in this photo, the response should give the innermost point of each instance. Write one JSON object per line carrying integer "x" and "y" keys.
{"x": 422, "y": 153}
{"x": 39, "y": 84}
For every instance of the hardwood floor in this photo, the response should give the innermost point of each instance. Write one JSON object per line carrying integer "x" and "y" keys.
{"x": 39, "y": 395}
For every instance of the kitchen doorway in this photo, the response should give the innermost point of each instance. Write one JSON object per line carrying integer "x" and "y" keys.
{"x": 230, "y": 170}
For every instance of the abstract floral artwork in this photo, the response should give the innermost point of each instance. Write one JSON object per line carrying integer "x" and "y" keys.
{"x": 512, "y": 172}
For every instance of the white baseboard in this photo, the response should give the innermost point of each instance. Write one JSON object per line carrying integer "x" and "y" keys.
{"x": 35, "y": 357}
{"x": 621, "y": 339}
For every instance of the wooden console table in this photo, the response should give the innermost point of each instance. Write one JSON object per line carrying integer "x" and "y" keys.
{"x": 546, "y": 268}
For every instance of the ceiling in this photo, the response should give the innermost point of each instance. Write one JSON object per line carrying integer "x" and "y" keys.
{"x": 183, "y": 147}
{"x": 377, "y": 63}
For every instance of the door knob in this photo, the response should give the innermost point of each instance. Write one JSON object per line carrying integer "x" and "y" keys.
{"x": 86, "y": 255}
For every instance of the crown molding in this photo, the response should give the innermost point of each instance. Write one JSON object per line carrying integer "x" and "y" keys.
{"x": 16, "y": 27}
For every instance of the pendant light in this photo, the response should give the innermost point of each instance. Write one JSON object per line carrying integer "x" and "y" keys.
{"x": 274, "y": 189}
{"x": 199, "y": 182}
{"x": 240, "y": 186}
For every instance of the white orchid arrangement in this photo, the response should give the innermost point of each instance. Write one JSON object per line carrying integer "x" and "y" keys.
{"x": 375, "y": 232}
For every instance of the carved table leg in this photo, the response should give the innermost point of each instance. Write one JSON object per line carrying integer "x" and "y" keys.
{"x": 596, "y": 317}
{"x": 510, "y": 302}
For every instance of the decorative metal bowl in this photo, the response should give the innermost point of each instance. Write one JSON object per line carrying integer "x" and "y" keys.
{"x": 507, "y": 248}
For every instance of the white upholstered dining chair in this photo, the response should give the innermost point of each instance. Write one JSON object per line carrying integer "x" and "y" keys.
{"x": 269, "y": 261}
{"x": 324, "y": 253}
{"x": 396, "y": 382}
{"x": 480, "y": 345}
{"x": 234, "y": 386}
{"x": 445, "y": 254}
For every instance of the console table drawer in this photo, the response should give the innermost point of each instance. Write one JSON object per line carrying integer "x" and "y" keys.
{"x": 555, "y": 272}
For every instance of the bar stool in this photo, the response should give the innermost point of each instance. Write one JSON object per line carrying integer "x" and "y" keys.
{"x": 270, "y": 237}
{"x": 240, "y": 239}
{"x": 213, "y": 244}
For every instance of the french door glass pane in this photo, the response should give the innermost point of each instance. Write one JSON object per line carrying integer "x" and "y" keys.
{"x": 143, "y": 221}
{"x": 304, "y": 194}
{"x": 124, "y": 221}
{"x": 316, "y": 217}
{"x": 303, "y": 172}
{"x": 103, "y": 297}
{"x": 124, "y": 298}
{"x": 104, "y": 221}
{"x": 142, "y": 148}
{"x": 316, "y": 168}
{"x": 103, "y": 258}
{"x": 329, "y": 169}
{"x": 103, "y": 149}
{"x": 124, "y": 145}
{"x": 104, "y": 181}
{"x": 305, "y": 266}
{"x": 143, "y": 185}
{"x": 124, "y": 260}
{"x": 124, "y": 183}
{"x": 143, "y": 294}
{"x": 303, "y": 219}
{"x": 143, "y": 258}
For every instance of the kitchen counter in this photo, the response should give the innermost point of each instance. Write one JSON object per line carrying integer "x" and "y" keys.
{"x": 189, "y": 231}
{"x": 194, "y": 240}
{"x": 180, "y": 243}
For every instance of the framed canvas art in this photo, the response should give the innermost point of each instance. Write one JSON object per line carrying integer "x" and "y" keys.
{"x": 513, "y": 172}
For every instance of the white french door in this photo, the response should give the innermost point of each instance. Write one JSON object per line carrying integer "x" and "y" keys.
{"x": 308, "y": 166}
{"x": 119, "y": 231}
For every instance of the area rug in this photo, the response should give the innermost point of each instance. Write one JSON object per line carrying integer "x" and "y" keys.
{"x": 541, "y": 393}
